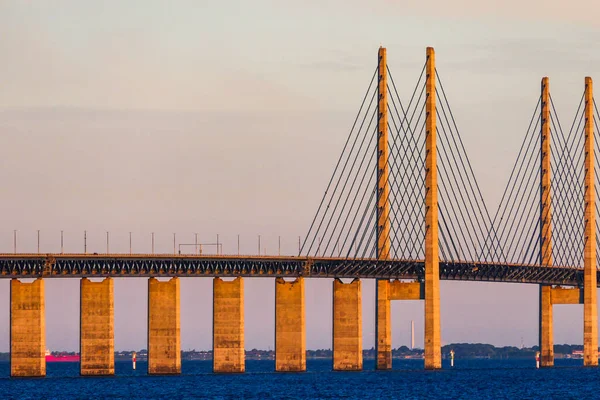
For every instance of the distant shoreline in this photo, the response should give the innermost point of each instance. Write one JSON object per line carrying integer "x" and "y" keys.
{"x": 461, "y": 351}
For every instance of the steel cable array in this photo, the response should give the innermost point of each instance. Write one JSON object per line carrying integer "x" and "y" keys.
{"x": 597, "y": 177}
{"x": 518, "y": 218}
{"x": 345, "y": 224}
{"x": 466, "y": 230}
{"x": 334, "y": 229}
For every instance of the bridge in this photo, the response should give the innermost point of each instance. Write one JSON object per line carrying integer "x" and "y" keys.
{"x": 403, "y": 206}
{"x": 169, "y": 265}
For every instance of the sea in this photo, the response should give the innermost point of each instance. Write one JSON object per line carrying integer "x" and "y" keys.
{"x": 468, "y": 379}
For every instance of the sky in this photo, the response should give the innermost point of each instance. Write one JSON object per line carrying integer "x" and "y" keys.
{"x": 227, "y": 118}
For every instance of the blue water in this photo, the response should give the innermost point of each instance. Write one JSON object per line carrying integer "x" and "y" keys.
{"x": 469, "y": 379}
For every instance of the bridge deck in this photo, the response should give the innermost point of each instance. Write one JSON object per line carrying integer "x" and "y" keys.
{"x": 156, "y": 265}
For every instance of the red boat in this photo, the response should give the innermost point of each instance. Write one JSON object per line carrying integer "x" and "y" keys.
{"x": 61, "y": 357}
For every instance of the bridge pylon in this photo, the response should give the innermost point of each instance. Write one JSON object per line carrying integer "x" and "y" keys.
{"x": 587, "y": 294}
{"x": 546, "y": 335}
{"x": 590, "y": 300}
{"x": 433, "y": 352}
{"x": 383, "y": 324}
{"x": 431, "y": 284}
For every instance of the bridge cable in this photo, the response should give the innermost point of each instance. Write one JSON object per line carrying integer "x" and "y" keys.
{"x": 516, "y": 214}
{"x": 340, "y": 159}
{"x": 339, "y": 198}
{"x": 470, "y": 177}
{"x": 501, "y": 211}
{"x": 564, "y": 198}
{"x": 407, "y": 181}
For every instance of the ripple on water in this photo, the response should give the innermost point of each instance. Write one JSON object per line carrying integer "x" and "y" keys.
{"x": 477, "y": 379}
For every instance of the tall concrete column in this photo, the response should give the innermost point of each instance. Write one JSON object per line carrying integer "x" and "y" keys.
{"x": 545, "y": 323}
{"x": 97, "y": 327}
{"x": 164, "y": 329}
{"x": 546, "y": 328}
{"x": 433, "y": 335}
{"x": 347, "y": 326}
{"x": 383, "y": 325}
{"x": 590, "y": 301}
{"x": 228, "y": 326}
{"x": 27, "y": 329}
{"x": 290, "y": 326}
{"x": 545, "y": 181}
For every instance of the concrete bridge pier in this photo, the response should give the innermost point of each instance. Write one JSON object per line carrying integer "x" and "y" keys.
{"x": 27, "y": 329}
{"x": 546, "y": 338}
{"x": 546, "y": 329}
{"x": 290, "y": 326}
{"x": 164, "y": 332}
{"x": 386, "y": 292}
{"x": 97, "y": 327}
{"x": 549, "y": 296}
{"x": 433, "y": 331}
{"x": 590, "y": 296}
{"x": 347, "y": 326}
{"x": 383, "y": 325}
{"x": 228, "y": 326}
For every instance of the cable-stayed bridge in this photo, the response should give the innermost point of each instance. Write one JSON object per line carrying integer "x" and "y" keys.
{"x": 403, "y": 206}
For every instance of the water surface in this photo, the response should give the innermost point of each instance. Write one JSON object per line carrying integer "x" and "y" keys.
{"x": 476, "y": 379}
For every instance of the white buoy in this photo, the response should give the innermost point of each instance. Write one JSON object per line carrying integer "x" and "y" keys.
{"x": 452, "y": 358}
{"x": 133, "y": 359}
{"x": 537, "y": 360}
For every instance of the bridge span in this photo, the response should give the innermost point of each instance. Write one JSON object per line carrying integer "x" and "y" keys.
{"x": 169, "y": 265}
{"x": 403, "y": 207}
{"x": 396, "y": 280}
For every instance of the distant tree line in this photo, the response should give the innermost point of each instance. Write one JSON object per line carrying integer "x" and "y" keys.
{"x": 461, "y": 350}
{"x": 482, "y": 350}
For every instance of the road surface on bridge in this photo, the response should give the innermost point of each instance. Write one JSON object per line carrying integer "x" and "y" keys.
{"x": 156, "y": 265}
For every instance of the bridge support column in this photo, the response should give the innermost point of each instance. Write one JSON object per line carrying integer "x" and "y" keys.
{"x": 164, "y": 339}
{"x": 290, "y": 326}
{"x": 383, "y": 325}
{"x": 96, "y": 328}
{"x": 347, "y": 326}
{"x": 549, "y": 296}
{"x": 228, "y": 326}
{"x": 27, "y": 329}
{"x": 546, "y": 327}
{"x": 386, "y": 292}
{"x": 590, "y": 301}
{"x": 433, "y": 335}
{"x": 546, "y": 337}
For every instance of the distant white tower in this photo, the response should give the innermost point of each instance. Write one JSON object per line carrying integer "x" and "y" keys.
{"x": 412, "y": 334}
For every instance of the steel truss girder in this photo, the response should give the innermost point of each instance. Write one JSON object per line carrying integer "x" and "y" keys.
{"x": 31, "y": 266}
